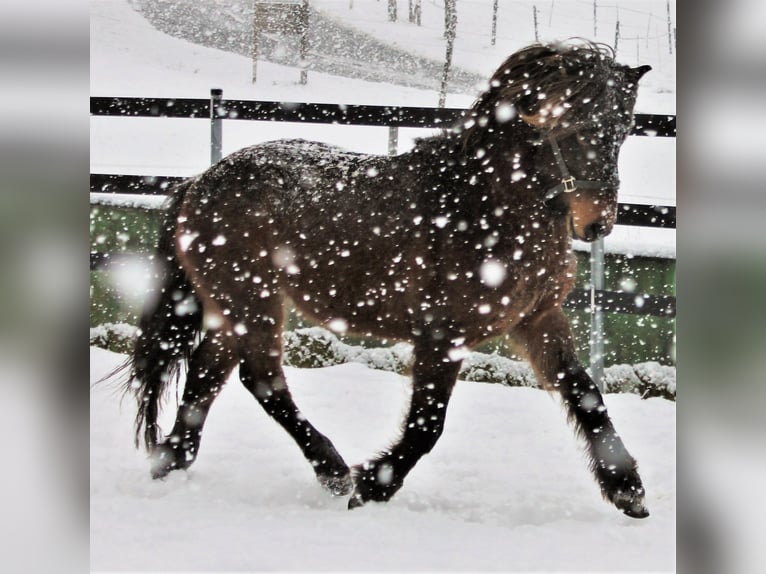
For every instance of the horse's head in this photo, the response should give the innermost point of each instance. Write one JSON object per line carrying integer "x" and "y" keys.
{"x": 579, "y": 103}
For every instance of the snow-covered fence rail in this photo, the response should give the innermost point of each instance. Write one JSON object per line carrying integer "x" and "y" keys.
{"x": 216, "y": 109}
{"x": 634, "y": 214}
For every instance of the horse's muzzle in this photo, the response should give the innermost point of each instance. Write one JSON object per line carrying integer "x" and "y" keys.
{"x": 594, "y": 231}
{"x": 590, "y": 232}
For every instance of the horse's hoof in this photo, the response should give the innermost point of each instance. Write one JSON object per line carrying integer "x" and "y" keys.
{"x": 355, "y": 501}
{"x": 336, "y": 485}
{"x": 624, "y": 489}
{"x": 373, "y": 482}
{"x": 631, "y": 505}
{"x": 640, "y": 512}
{"x": 164, "y": 459}
{"x": 160, "y": 466}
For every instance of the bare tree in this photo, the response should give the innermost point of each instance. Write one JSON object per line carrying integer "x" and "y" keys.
{"x": 595, "y": 21}
{"x": 670, "y": 42}
{"x": 392, "y": 10}
{"x": 415, "y": 10}
{"x": 450, "y": 17}
{"x": 450, "y": 30}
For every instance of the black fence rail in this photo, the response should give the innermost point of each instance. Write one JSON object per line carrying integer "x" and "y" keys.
{"x": 217, "y": 109}
{"x": 359, "y": 115}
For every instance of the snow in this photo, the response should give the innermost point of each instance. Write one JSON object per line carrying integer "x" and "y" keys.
{"x": 103, "y": 331}
{"x": 128, "y": 200}
{"x": 506, "y": 488}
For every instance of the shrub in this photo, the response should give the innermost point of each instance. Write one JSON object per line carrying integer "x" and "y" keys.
{"x": 315, "y": 347}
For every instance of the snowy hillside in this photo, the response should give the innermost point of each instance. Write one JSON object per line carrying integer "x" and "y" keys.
{"x": 643, "y": 34}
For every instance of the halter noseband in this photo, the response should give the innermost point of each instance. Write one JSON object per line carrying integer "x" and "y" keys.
{"x": 568, "y": 183}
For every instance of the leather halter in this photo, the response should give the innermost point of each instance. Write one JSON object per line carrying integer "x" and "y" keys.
{"x": 568, "y": 183}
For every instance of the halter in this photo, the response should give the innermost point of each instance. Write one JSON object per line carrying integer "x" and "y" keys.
{"x": 568, "y": 183}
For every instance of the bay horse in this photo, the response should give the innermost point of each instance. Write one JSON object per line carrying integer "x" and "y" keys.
{"x": 463, "y": 238}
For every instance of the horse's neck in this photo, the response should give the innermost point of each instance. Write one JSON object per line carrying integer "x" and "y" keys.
{"x": 474, "y": 173}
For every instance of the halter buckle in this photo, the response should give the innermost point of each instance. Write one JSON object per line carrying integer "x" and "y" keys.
{"x": 569, "y": 184}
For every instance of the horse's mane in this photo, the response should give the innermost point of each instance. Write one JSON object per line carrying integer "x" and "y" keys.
{"x": 554, "y": 85}
{"x": 540, "y": 71}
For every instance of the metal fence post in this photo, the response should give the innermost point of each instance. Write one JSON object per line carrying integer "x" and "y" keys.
{"x": 393, "y": 140}
{"x": 216, "y": 126}
{"x": 254, "y": 49}
{"x": 597, "y": 314}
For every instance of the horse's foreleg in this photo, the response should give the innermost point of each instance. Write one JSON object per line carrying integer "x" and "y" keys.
{"x": 261, "y": 373}
{"x": 433, "y": 379}
{"x": 547, "y": 340}
{"x": 210, "y": 365}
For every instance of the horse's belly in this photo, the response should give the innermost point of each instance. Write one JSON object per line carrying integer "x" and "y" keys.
{"x": 375, "y": 317}
{"x": 348, "y": 299}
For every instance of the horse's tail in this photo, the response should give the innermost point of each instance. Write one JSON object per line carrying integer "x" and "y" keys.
{"x": 168, "y": 330}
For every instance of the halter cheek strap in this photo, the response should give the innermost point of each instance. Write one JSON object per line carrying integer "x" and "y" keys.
{"x": 568, "y": 183}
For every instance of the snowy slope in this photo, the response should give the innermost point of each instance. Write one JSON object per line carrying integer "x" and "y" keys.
{"x": 643, "y": 34}
{"x": 505, "y": 489}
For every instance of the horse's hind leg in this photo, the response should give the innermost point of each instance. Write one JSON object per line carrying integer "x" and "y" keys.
{"x": 261, "y": 373}
{"x": 239, "y": 286}
{"x": 433, "y": 378}
{"x": 209, "y": 367}
{"x": 547, "y": 340}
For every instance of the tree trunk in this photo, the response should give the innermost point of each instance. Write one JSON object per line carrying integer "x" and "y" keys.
{"x": 450, "y": 17}
{"x": 449, "y": 34}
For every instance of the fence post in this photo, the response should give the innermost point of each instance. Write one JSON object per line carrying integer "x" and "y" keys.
{"x": 216, "y": 126}
{"x": 304, "y": 32}
{"x": 254, "y": 50}
{"x": 393, "y": 140}
{"x": 597, "y": 314}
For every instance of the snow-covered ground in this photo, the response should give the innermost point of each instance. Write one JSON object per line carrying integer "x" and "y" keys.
{"x": 130, "y": 58}
{"x": 505, "y": 489}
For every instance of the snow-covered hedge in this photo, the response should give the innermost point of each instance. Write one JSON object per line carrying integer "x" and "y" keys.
{"x": 117, "y": 337}
{"x": 316, "y": 347}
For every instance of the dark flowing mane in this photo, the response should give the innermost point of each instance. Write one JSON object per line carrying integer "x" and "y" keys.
{"x": 541, "y": 83}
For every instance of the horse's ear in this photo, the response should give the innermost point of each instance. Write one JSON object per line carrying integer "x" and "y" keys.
{"x": 637, "y": 73}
